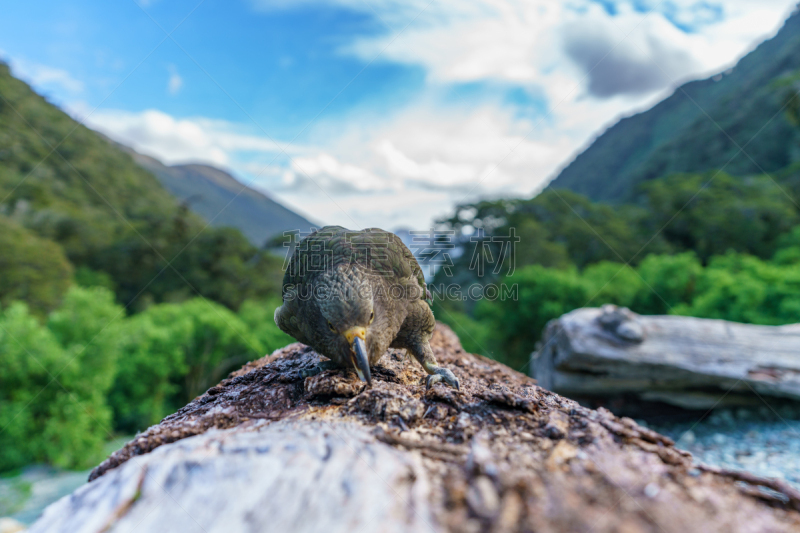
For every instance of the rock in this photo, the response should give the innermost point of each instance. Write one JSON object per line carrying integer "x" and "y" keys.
{"x": 692, "y": 363}
{"x": 267, "y": 450}
{"x": 688, "y": 438}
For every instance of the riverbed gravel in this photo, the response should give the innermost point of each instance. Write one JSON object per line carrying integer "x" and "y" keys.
{"x": 764, "y": 441}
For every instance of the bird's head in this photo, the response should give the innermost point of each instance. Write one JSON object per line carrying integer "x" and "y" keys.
{"x": 348, "y": 310}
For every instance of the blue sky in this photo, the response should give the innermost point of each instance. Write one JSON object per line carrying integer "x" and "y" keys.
{"x": 282, "y": 67}
{"x": 372, "y": 112}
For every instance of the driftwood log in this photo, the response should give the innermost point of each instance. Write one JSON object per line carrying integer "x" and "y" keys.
{"x": 693, "y": 363}
{"x": 266, "y": 450}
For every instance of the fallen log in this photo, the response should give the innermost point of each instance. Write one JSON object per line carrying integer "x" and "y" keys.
{"x": 692, "y": 363}
{"x": 268, "y": 450}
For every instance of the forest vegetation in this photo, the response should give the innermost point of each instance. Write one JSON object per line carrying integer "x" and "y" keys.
{"x": 117, "y": 304}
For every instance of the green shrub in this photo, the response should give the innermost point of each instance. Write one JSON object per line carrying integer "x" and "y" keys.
{"x": 258, "y": 316}
{"x": 32, "y": 269}
{"x": 52, "y": 401}
{"x": 86, "y": 326}
{"x": 667, "y": 281}
{"x": 171, "y": 353}
{"x": 475, "y": 335}
{"x": 614, "y": 283}
{"x": 714, "y": 212}
{"x": 86, "y": 277}
{"x": 542, "y": 295}
{"x": 746, "y": 289}
{"x": 736, "y": 287}
{"x": 788, "y": 252}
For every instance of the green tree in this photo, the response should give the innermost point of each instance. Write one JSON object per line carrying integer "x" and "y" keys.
{"x": 171, "y": 265}
{"x": 150, "y": 364}
{"x": 476, "y": 336}
{"x": 171, "y": 353}
{"x": 788, "y": 252}
{"x": 52, "y": 401}
{"x": 744, "y": 288}
{"x": 258, "y": 316}
{"x": 789, "y": 86}
{"x": 86, "y": 326}
{"x": 111, "y": 218}
{"x": 543, "y": 294}
{"x": 554, "y": 229}
{"x": 31, "y": 269}
{"x": 714, "y": 212}
{"x": 667, "y": 281}
{"x": 612, "y": 283}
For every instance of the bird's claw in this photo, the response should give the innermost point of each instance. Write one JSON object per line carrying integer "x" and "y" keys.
{"x": 442, "y": 374}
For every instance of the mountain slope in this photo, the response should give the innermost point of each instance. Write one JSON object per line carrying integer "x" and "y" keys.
{"x": 220, "y": 198}
{"x": 63, "y": 181}
{"x": 688, "y": 131}
{"x": 113, "y": 220}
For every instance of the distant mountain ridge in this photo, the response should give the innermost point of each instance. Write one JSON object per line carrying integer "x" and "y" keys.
{"x": 688, "y": 131}
{"x": 223, "y": 200}
{"x": 77, "y": 209}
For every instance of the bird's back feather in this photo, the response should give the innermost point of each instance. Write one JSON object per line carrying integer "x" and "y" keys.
{"x": 379, "y": 252}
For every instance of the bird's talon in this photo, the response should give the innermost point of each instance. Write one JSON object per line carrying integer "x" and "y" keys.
{"x": 442, "y": 374}
{"x": 431, "y": 380}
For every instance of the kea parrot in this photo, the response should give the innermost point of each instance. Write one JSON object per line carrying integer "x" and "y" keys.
{"x": 351, "y": 295}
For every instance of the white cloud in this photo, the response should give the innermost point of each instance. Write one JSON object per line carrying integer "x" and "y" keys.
{"x": 159, "y": 135}
{"x": 521, "y": 41}
{"x": 325, "y": 172}
{"x": 43, "y": 77}
{"x": 590, "y": 66}
{"x": 483, "y": 149}
{"x": 173, "y": 140}
{"x": 412, "y": 164}
{"x": 175, "y": 82}
{"x": 628, "y": 56}
{"x": 435, "y": 156}
{"x": 416, "y": 165}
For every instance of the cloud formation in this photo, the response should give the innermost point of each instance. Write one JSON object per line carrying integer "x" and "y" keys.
{"x": 174, "y": 140}
{"x": 616, "y": 62}
{"x": 534, "y": 42}
{"x": 45, "y": 78}
{"x": 175, "y": 81}
{"x": 587, "y": 63}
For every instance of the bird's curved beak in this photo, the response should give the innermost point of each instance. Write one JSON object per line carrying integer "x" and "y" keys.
{"x": 358, "y": 352}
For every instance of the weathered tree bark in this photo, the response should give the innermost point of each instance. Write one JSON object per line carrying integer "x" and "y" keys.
{"x": 267, "y": 450}
{"x": 688, "y": 362}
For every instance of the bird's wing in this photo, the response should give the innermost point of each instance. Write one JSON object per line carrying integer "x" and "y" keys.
{"x": 312, "y": 255}
{"x": 398, "y": 259}
{"x": 416, "y": 270}
{"x": 381, "y": 251}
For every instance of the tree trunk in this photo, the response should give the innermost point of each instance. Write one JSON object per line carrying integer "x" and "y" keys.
{"x": 688, "y": 362}
{"x": 267, "y": 450}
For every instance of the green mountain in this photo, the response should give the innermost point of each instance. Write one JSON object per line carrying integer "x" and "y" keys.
{"x": 219, "y": 197}
{"x": 689, "y": 131}
{"x": 65, "y": 182}
{"x": 95, "y": 210}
